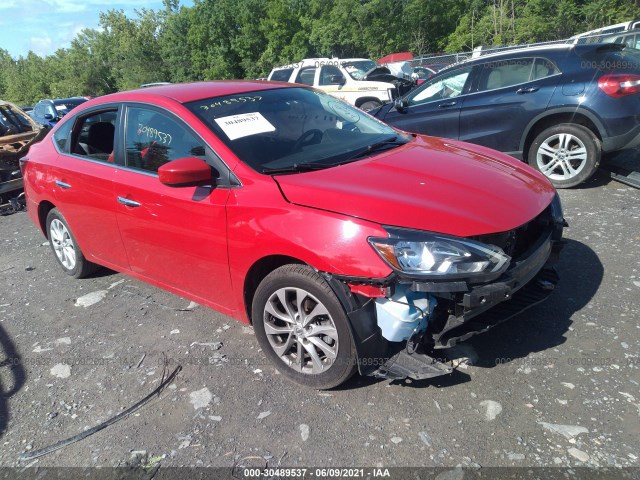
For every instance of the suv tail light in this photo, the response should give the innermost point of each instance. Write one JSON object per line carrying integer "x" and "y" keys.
{"x": 619, "y": 85}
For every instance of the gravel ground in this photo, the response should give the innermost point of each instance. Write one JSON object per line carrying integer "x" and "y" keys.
{"x": 556, "y": 386}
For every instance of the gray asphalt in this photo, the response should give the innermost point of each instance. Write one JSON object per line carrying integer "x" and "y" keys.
{"x": 556, "y": 386}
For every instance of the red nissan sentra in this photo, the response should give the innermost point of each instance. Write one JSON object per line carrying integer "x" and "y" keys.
{"x": 347, "y": 244}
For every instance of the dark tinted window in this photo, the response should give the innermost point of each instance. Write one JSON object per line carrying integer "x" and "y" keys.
{"x": 153, "y": 139}
{"x": 306, "y": 75}
{"x": 331, "y": 75}
{"x": 281, "y": 75}
{"x": 95, "y": 134}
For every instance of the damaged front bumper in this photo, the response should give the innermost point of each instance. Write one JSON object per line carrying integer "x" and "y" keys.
{"x": 398, "y": 321}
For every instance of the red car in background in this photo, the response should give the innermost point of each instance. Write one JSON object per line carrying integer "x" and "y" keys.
{"x": 347, "y": 244}
{"x": 425, "y": 72}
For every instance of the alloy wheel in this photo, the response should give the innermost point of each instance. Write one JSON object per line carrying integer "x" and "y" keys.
{"x": 62, "y": 244}
{"x": 300, "y": 330}
{"x": 561, "y": 156}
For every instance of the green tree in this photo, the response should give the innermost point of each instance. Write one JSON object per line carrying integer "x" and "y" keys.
{"x": 28, "y": 81}
{"x": 173, "y": 40}
{"x": 285, "y": 33}
{"x": 6, "y": 64}
{"x": 219, "y": 39}
{"x": 131, "y": 47}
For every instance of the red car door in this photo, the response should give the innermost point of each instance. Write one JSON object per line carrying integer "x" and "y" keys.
{"x": 174, "y": 236}
{"x": 82, "y": 178}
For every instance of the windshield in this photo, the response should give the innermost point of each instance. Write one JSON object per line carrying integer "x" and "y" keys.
{"x": 357, "y": 69}
{"x": 289, "y": 127}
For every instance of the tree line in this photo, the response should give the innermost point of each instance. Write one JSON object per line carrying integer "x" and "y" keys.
{"x": 221, "y": 39}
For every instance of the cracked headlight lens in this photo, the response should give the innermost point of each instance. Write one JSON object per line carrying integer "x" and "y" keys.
{"x": 436, "y": 255}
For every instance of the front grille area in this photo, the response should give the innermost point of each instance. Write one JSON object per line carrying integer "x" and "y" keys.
{"x": 517, "y": 241}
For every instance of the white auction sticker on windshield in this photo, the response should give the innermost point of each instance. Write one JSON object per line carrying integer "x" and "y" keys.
{"x": 244, "y": 124}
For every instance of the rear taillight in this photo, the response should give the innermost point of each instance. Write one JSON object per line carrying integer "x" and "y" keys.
{"x": 619, "y": 85}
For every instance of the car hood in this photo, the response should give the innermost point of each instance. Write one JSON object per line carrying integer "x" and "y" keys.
{"x": 431, "y": 184}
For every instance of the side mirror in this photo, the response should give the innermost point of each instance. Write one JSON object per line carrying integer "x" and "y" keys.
{"x": 185, "y": 172}
{"x": 401, "y": 104}
{"x": 49, "y": 116}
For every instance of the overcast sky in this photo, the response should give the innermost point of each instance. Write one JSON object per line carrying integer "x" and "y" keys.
{"x": 43, "y": 26}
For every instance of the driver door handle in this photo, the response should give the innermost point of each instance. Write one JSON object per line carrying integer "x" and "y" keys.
{"x": 524, "y": 90}
{"x": 447, "y": 105}
{"x": 128, "y": 203}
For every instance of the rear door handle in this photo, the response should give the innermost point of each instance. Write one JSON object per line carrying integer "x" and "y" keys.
{"x": 62, "y": 184}
{"x": 527, "y": 90}
{"x": 128, "y": 203}
{"x": 447, "y": 105}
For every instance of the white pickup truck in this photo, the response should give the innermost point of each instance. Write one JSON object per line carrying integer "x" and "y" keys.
{"x": 342, "y": 78}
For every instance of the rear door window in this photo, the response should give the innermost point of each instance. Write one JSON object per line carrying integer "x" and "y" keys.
{"x": 94, "y": 135}
{"x": 506, "y": 73}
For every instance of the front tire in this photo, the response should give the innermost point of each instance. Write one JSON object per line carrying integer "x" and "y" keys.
{"x": 567, "y": 154}
{"x": 369, "y": 105}
{"x": 303, "y": 328}
{"x": 65, "y": 247}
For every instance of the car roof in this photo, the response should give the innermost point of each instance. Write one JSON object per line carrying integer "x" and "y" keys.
{"x": 517, "y": 51}
{"x": 540, "y": 49}
{"x": 190, "y": 92}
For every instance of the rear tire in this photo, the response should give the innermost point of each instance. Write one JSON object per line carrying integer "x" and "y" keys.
{"x": 65, "y": 247}
{"x": 303, "y": 328}
{"x": 369, "y": 105}
{"x": 567, "y": 154}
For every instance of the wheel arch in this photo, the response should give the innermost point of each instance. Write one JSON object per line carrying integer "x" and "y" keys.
{"x": 370, "y": 346}
{"x": 44, "y": 208}
{"x": 258, "y": 271}
{"x": 564, "y": 115}
{"x": 360, "y": 101}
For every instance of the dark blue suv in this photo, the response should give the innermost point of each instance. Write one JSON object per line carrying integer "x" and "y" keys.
{"x": 556, "y": 107}
{"x": 48, "y": 112}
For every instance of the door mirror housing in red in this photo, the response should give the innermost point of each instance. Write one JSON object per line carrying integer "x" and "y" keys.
{"x": 185, "y": 172}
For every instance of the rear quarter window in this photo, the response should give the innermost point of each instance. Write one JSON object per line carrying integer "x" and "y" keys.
{"x": 61, "y": 137}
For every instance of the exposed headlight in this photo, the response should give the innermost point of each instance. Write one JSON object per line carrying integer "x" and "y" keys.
{"x": 435, "y": 255}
